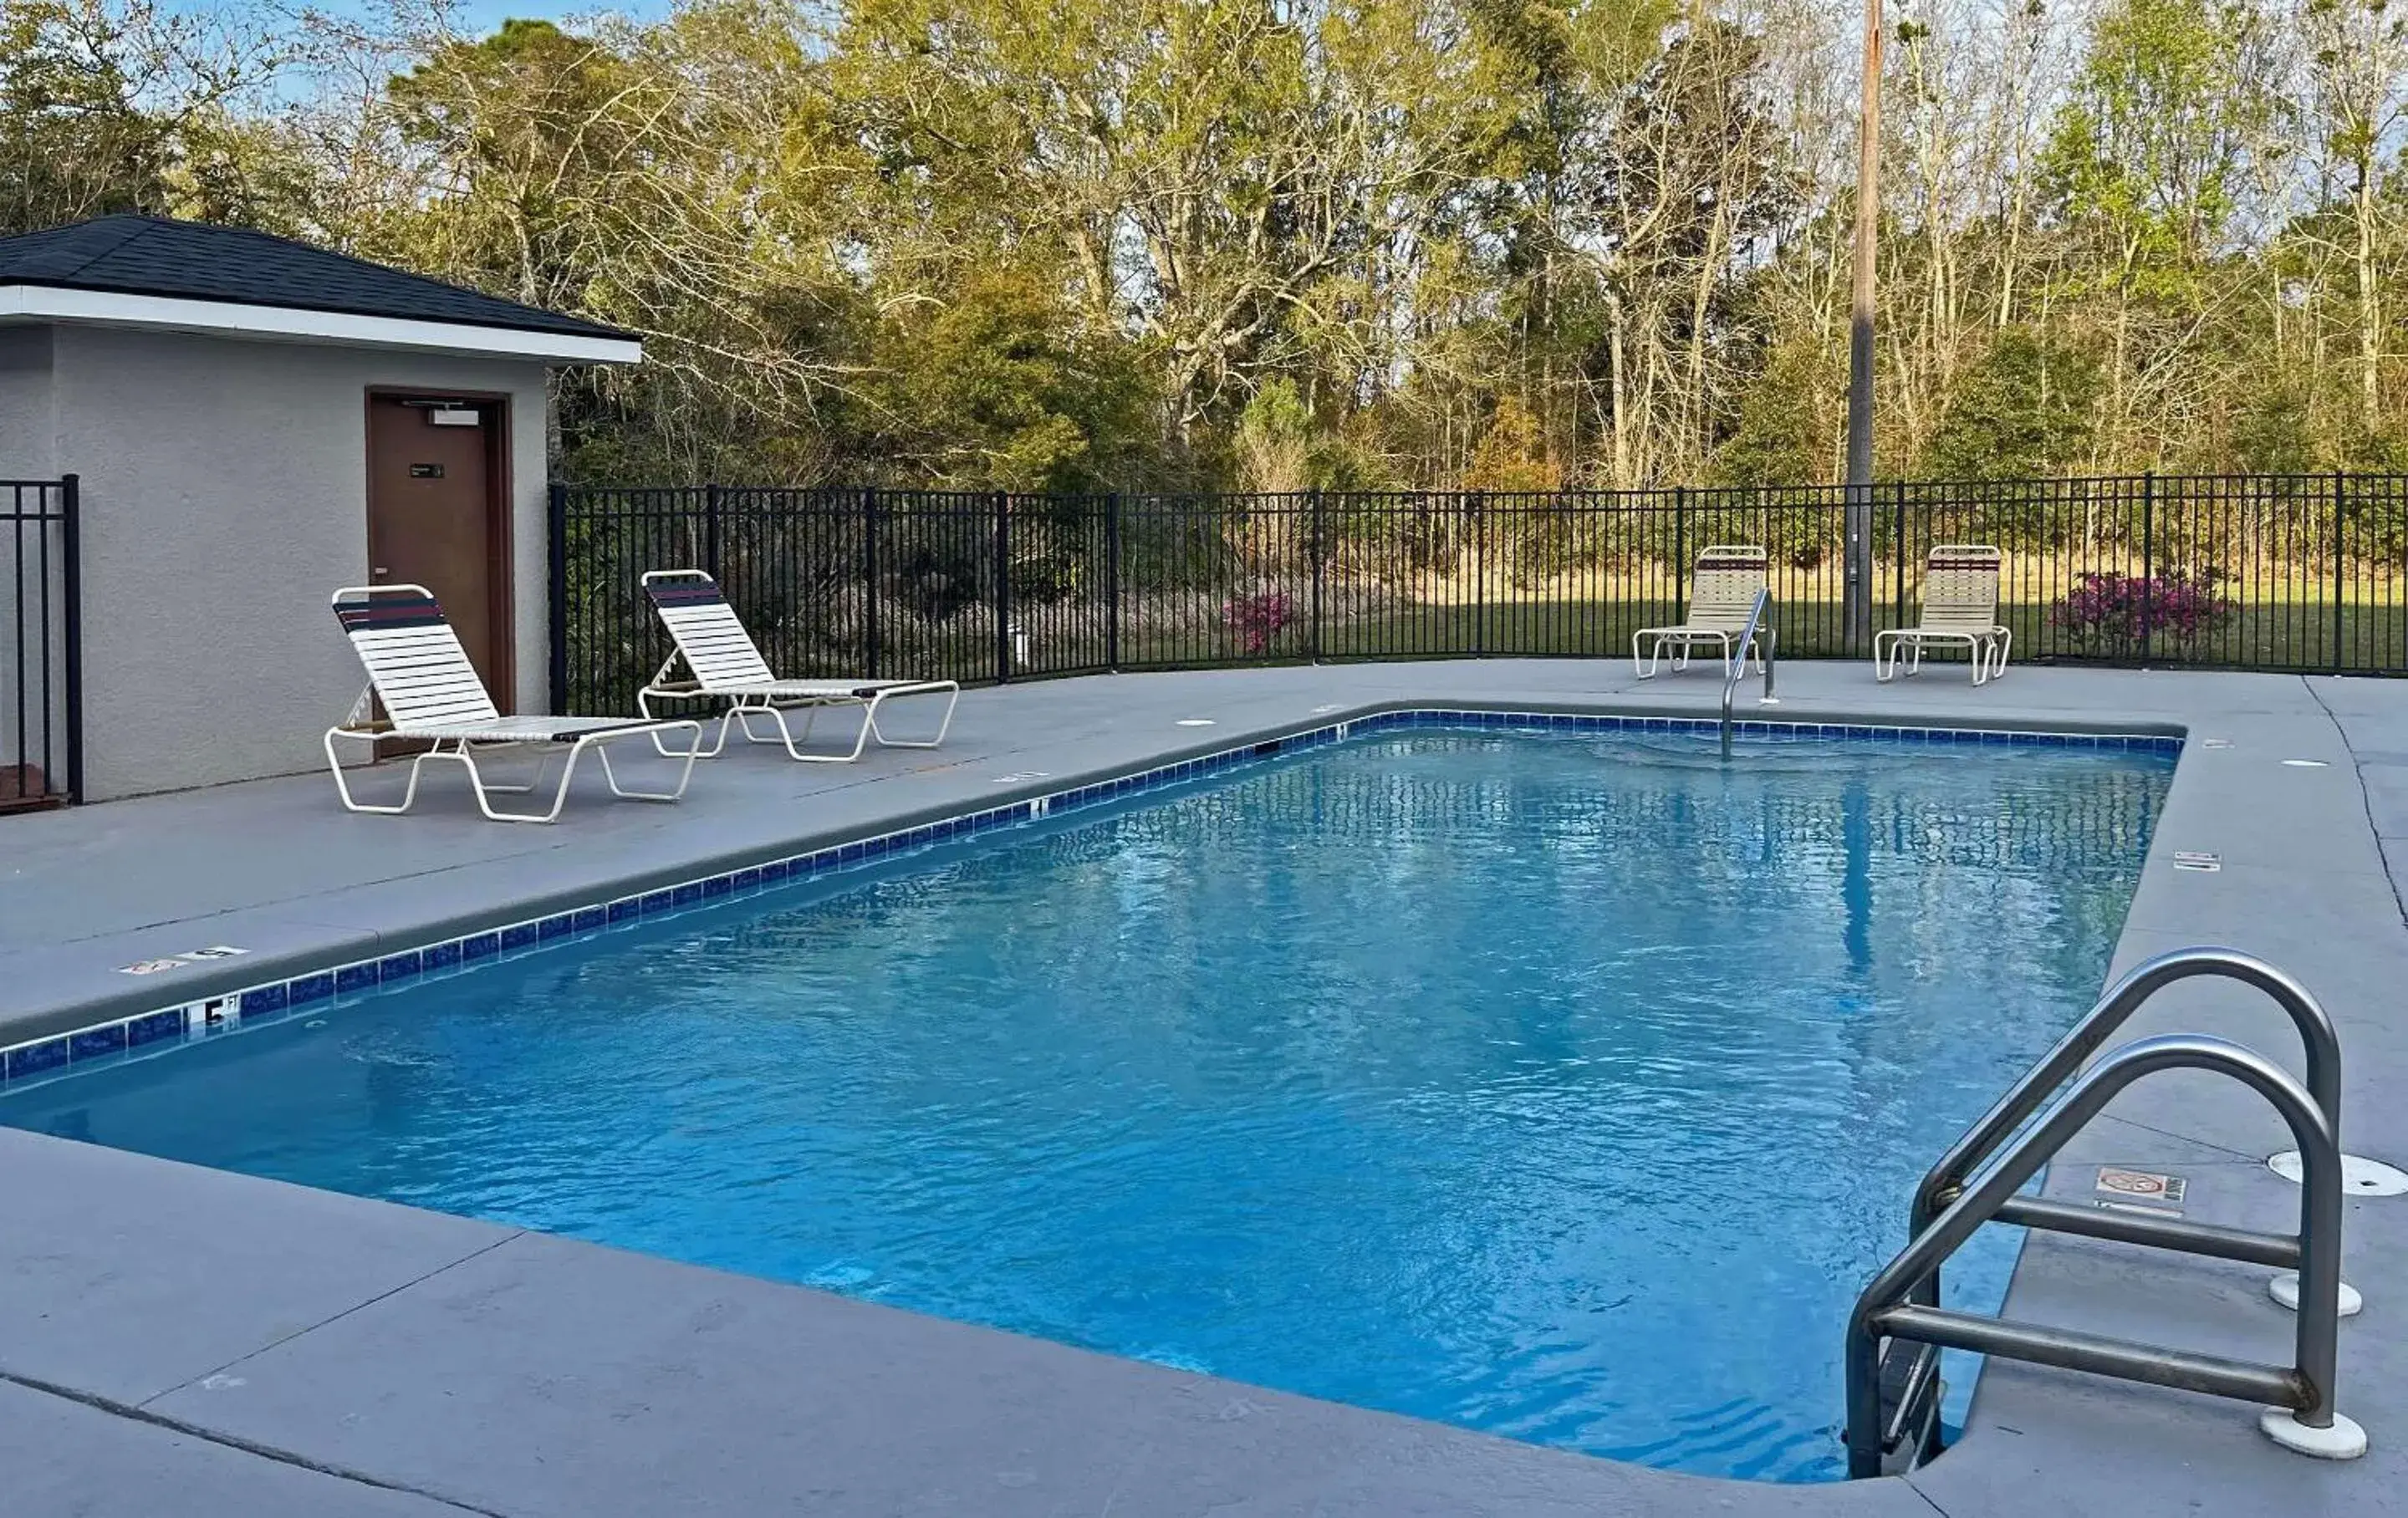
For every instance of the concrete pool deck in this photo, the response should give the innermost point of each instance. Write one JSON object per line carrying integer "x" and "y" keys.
{"x": 178, "y": 1340}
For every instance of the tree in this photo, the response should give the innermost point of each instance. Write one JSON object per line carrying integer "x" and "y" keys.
{"x": 2023, "y": 411}
{"x": 102, "y": 102}
{"x": 2358, "y": 96}
{"x": 991, "y": 389}
{"x": 2150, "y": 161}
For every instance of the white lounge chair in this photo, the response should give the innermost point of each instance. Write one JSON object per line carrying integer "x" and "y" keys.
{"x": 1960, "y": 606}
{"x": 724, "y": 661}
{"x": 431, "y": 692}
{"x": 1721, "y": 596}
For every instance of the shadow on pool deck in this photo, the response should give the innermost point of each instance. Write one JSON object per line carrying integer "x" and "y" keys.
{"x": 190, "y": 1341}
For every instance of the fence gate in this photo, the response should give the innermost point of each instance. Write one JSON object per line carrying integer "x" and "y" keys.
{"x": 41, "y": 675}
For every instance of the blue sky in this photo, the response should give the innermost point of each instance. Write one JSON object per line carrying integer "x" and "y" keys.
{"x": 484, "y": 15}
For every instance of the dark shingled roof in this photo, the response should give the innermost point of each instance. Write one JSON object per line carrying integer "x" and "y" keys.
{"x": 152, "y": 255}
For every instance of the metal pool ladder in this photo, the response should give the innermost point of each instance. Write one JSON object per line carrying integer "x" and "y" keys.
{"x": 1739, "y": 667}
{"x": 1897, "y": 1329}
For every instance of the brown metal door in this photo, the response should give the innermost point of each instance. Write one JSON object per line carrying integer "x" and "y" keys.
{"x": 432, "y": 520}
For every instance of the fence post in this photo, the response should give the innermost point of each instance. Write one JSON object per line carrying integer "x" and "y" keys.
{"x": 711, "y": 531}
{"x": 1002, "y": 587}
{"x": 1680, "y": 552}
{"x": 869, "y": 581}
{"x": 2148, "y": 562}
{"x": 557, "y": 590}
{"x": 1477, "y": 504}
{"x": 1318, "y": 554}
{"x": 1899, "y": 554}
{"x": 1112, "y": 582}
{"x": 2340, "y": 572}
{"x": 71, "y": 569}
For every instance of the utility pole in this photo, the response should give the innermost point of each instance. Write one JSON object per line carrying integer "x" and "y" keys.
{"x": 1859, "y": 608}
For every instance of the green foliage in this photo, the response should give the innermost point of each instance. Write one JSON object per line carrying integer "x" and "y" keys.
{"x": 74, "y": 139}
{"x": 531, "y": 123}
{"x": 2023, "y": 411}
{"x": 1512, "y": 453}
{"x": 2150, "y": 148}
{"x": 1786, "y": 429}
{"x": 994, "y": 390}
{"x": 1277, "y": 439}
{"x": 1280, "y": 444}
{"x": 2275, "y": 433}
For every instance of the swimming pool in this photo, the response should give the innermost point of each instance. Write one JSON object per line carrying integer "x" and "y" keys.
{"x": 1563, "y": 1085}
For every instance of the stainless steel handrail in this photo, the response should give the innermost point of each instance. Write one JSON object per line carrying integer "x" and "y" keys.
{"x": 1890, "y": 1310}
{"x": 1947, "y": 1179}
{"x": 1747, "y": 639}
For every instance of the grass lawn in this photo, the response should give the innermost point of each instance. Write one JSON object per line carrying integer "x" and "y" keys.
{"x": 2282, "y": 636}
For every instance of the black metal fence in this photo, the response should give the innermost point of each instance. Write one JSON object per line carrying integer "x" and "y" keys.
{"x": 41, "y": 663}
{"x": 2294, "y": 572}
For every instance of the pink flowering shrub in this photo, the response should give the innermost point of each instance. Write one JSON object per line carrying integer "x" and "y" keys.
{"x": 1258, "y": 620}
{"x": 2109, "y": 613}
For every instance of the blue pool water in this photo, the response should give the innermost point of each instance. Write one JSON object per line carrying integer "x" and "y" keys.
{"x": 1561, "y": 1085}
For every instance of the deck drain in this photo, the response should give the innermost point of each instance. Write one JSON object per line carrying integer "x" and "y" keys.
{"x": 2216, "y": 743}
{"x": 2359, "y": 1176}
{"x": 2192, "y": 859}
{"x": 2306, "y": 764}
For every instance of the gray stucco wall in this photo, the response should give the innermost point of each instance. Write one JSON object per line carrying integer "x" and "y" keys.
{"x": 28, "y": 430}
{"x": 225, "y": 496}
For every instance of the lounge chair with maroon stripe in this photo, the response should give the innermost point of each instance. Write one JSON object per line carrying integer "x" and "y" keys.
{"x": 1960, "y": 606}
{"x": 431, "y": 694}
{"x": 722, "y": 661}
{"x": 1721, "y": 596}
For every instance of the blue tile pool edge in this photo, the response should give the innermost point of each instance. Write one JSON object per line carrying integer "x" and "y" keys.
{"x": 164, "y": 1029}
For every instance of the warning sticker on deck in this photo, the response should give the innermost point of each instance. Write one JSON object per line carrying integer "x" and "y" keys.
{"x": 177, "y": 962}
{"x": 2141, "y": 1186}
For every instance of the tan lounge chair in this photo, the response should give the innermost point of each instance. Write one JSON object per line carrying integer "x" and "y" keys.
{"x": 1960, "y": 606}
{"x": 1721, "y": 596}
